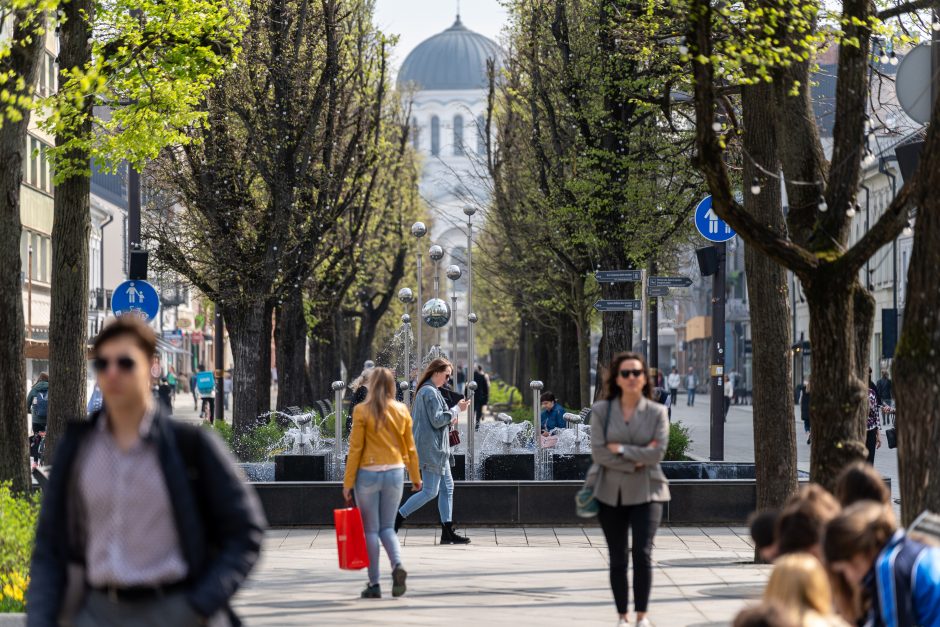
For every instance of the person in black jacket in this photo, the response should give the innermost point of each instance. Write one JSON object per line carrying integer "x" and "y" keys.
{"x": 144, "y": 521}
{"x": 481, "y": 398}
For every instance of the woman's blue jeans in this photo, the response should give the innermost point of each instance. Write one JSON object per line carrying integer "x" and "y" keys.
{"x": 378, "y": 495}
{"x": 430, "y": 489}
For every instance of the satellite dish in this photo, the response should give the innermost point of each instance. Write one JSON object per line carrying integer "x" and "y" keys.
{"x": 913, "y": 84}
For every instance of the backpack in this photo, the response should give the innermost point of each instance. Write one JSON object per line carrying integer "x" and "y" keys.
{"x": 205, "y": 382}
{"x": 41, "y": 404}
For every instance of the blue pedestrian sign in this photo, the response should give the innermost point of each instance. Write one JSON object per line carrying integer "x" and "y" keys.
{"x": 709, "y": 224}
{"x": 138, "y": 297}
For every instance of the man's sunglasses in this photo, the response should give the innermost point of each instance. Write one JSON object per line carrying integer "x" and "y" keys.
{"x": 626, "y": 374}
{"x": 124, "y": 364}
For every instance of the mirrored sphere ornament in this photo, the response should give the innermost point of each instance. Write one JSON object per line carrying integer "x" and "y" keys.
{"x": 405, "y": 319}
{"x": 469, "y": 210}
{"x": 405, "y": 295}
{"x": 436, "y": 253}
{"x": 453, "y": 272}
{"x": 436, "y": 313}
{"x": 473, "y": 317}
{"x": 418, "y": 229}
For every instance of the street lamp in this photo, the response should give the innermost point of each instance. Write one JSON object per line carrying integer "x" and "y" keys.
{"x": 419, "y": 230}
{"x": 454, "y": 274}
{"x": 406, "y": 297}
{"x": 468, "y": 211}
{"x": 436, "y": 253}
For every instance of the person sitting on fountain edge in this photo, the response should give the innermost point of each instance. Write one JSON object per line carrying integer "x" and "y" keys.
{"x": 553, "y": 414}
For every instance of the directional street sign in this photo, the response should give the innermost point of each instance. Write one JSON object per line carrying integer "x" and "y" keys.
{"x": 709, "y": 224}
{"x": 657, "y": 291}
{"x": 669, "y": 281}
{"x": 618, "y": 305}
{"x": 617, "y": 276}
{"x": 138, "y": 297}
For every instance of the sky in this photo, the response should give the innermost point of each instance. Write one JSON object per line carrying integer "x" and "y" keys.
{"x": 416, "y": 20}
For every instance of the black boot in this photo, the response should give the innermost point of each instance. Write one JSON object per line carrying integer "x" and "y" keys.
{"x": 399, "y": 521}
{"x": 371, "y": 592}
{"x": 449, "y": 536}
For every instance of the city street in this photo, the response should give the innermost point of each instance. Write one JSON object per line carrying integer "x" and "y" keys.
{"x": 739, "y": 437}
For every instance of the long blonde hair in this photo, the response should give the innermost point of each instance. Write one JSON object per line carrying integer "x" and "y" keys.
{"x": 381, "y": 392}
{"x": 800, "y": 584}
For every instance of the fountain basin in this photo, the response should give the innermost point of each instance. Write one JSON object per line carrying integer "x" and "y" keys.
{"x": 720, "y": 501}
{"x": 314, "y": 467}
{"x": 509, "y": 467}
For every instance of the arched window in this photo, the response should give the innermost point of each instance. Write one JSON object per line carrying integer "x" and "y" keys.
{"x": 481, "y": 136}
{"x": 458, "y": 135}
{"x": 415, "y": 134}
{"x": 435, "y": 136}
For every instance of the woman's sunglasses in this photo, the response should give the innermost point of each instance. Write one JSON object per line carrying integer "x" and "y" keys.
{"x": 626, "y": 374}
{"x": 124, "y": 364}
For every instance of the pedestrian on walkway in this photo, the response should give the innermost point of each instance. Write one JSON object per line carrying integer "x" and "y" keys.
{"x": 205, "y": 385}
{"x": 728, "y": 395}
{"x": 861, "y": 482}
{"x": 552, "y": 415}
{"x": 432, "y": 422}
{"x": 37, "y": 402}
{"x": 885, "y": 389}
{"x": 873, "y": 425}
{"x": 804, "y": 411}
{"x": 481, "y": 397}
{"x": 194, "y": 390}
{"x": 897, "y": 577}
{"x": 690, "y": 382}
{"x": 145, "y": 521}
{"x": 800, "y": 585}
{"x": 673, "y": 381}
{"x": 380, "y": 447}
{"x": 631, "y": 487}
{"x": 227, "y": 387}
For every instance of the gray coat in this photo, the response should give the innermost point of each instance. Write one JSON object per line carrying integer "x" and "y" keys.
{"x": 618, "y": 475}
{"x": 431, "y": 420}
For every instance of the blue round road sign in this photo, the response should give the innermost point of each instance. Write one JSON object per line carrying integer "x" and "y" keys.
{"x": 709, "y": 224}
{"x": 138, "y": 297}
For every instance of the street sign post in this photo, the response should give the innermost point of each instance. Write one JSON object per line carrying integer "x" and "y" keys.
{"x": 619, "y": 305}
{"x": 136, "y": 297}
{"x": 654, "y": 290}
{"x": 709, "y": 225}
{"x": 669, "y": 281}
{"x": 617, "y": 276}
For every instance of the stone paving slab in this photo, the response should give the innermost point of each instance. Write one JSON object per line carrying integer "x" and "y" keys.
{"x": 508, "y": 576}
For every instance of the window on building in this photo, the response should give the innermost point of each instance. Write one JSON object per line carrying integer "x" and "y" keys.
{"x": 45, "y": 252}
{"x": 33, "y": 161}
{"x": 415, "y": 134}
{"x": 435, "y": 136}
{"x": 481, "y": 136}
{"x": 458, "y": 135}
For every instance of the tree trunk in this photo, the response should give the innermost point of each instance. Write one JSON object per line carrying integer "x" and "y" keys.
{"x": 838, "y": 404}
{"x": 916, "y": 373}
{"x": 246, "y": 330}
{"x": 616, "y": 330}
{"x": 565, "y": 377}
{"x": 774, "y": 432}
{"x": 265, "y": 362}
{"x": 14, "y": 452}
{"x": 521, "y": 373}
{"x": 291, "y": 342}
{"x": 324, "y": 358}
{"x": 583, "y": 323}
{"x": 71, "y": 227}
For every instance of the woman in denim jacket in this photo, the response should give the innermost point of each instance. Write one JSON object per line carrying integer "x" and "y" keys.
{"x": 432, "y": 422}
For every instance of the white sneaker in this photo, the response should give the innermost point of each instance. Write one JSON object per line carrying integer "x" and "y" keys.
{"x": 644, "y": 623}
{"x": 623, "y": 623}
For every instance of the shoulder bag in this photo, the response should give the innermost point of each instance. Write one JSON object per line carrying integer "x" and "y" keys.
{"x": 585, "y": 503}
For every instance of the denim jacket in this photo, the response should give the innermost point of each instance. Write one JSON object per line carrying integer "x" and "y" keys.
{"x": 431, "y": 426}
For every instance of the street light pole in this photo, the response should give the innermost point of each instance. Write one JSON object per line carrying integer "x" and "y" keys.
{"x": 717, "y": 440}
{"x": 406, "y": 297}
{"x": 436, "y": 253}
{"x": 419, "y": 230}
{"x": 454, "y": 274}
{"x": 219, "y": 364}
{"x": 468, "y": 211}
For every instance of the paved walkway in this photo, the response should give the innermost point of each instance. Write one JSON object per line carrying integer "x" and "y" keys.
{"x": 543, "y": 576}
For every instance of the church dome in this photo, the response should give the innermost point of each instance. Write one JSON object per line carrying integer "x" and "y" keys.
{"x": 453, "y": 59}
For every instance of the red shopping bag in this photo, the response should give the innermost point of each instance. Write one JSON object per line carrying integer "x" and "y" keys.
{"x": 350, "y": 539}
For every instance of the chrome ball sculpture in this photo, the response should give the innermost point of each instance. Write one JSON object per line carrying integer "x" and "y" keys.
{"x": 436, "y": 313}
{"x": 436, "y": 253}
{"x": 405, "y": 295}
{"x": 453, "y": 272}
{"x": 418, "y": 229}
{"x": 473, "y": 317}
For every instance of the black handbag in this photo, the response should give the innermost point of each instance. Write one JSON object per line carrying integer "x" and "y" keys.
{"x": 892, "y": 436}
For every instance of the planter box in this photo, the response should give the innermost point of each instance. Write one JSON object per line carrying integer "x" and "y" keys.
{"x": 12, "y": 620}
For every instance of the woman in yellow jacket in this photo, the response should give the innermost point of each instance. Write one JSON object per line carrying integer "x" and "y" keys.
{"x": 381, "y": 446}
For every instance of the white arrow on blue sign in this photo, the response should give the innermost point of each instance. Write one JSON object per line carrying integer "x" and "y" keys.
{"x": 709, "y": 224}
{"x": 137, "y": 297}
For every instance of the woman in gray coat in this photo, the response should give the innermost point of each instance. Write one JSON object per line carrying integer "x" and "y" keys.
{"x": 629, "y": 435}
{"x": 432, "y": 420}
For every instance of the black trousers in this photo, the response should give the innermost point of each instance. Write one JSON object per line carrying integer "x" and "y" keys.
{"x": 674, "y": 394}
{"x": 643, "y": 520}
{"x": 871, "y": 438}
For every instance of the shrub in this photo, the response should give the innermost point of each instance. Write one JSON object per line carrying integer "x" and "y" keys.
{"x": 502, "y": 393}
{"x": 18, "y": 516}
{"x": 256, "y": 445}
{"x": 679, "y": 442}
